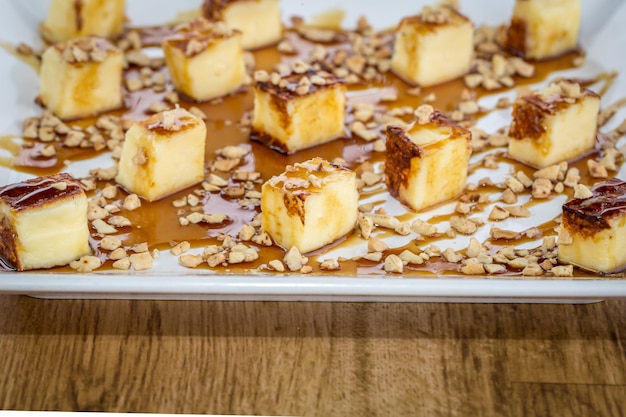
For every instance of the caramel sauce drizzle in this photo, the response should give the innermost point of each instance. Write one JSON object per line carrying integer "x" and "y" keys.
{"x": 157, "y": 222}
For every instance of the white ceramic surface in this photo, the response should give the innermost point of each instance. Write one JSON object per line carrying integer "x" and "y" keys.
{"x": 601, "y": 36}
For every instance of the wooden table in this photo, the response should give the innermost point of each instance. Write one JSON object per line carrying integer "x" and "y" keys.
{"x": 321, "y": 359}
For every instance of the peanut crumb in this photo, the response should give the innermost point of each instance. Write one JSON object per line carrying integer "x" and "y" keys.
{"x": 141, "y": 261}
{"x": 330, "y": 265}
{"x": 276, "y": 265}
{"x": 140, "y": 247}
{"x": 190, "y": 260}
{"x": 463, "y": 225}
{"x": 393, "y": 264}
{"x": 423, "y": 114}
{"x": 563, "y": 271}
{"x": 366, "y": 226}
{"x": 86, "y": 264}
{"x": 376, "y": 245}
{"x": 411, "y": 258}
{"x": 103, "y": 228}
{"x": 180, "y": 248}
{"x": 131, "y": 202}
{"x": 373, "y": 256}
{"x": 497, "y": 233}
{"x": 293, "y": 259}
{"x": 118, "y": 254}
{"x": 110, "y": 243}
{"x": 473, "y": 269}
{"x": 122, "y": 263}
{"x": 597, "y": 170}
{"x": 582, "y": 191}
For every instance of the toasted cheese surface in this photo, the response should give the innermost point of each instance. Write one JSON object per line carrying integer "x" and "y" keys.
{"x": 590, "y": 215}
{"x": 541, "y": 29}
{"x": 530, "y": 111}
{"x": 426, "y": 163}
{"x": 162, "y": 154}
{"x": 195, "y": 36}
{"x": 43, "y": 222}
{"x": 310, "y": 205}
{"x": 81, "y": 77}
{"x": 69, "y": 19}
{"x": 555, "y": 124}
{"x": 299, "y": 110}
{"x": 205, "y": 59}
{"x": 258, "y": 20}
{"x": 593, "y": 234}
{"x": 39, "y": 192}
{"x": 433, "y": 47}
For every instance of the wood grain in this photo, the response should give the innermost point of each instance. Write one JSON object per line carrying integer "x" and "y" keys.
{"x": 313, "y": 359}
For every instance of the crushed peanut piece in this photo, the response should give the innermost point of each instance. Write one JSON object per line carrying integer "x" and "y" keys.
{"x": 103, "y": 228}
{"x": 141, "y": 261}
{"x": 131, "y": 202}
{"x": 518, "y": 211}
{"x": 451, "y": 255}
{"x": 180, "y": 248}
{"x": 384, "y": 220}
{"x": 463, "y": 225}
{"x": 597, "y": 170}
{"x": 86, "y": 264}
{"x": 563, "y": 271}
{"x": 365, "y": 225}
{"x": 122, "y": 263}
{"x": 373, "y": 256}
{"x": 216, "y": 259}
{"x": 293, "y": 259}
{"x": 497, "y": 233}
{"x": 542, "y": 188}
{"x": 423, "y": 114}
{"x": 276, "y": 265}
{"x": 190, "y": 260}
{"x": 474, "y": 248}
{"x": 411, "y": 258}
{"x": 118, "y": 254}
{"x": 140, "y": 247}
{"x": 473, "y": 269}
{"x": 330, "y": 265}
{"x": 424, "y": 228}
{"x": 494, "y": 268}
{"x": 551, "y": 172}
{"x": 498, "y": 213}
{"x": 532, "y": 270}
{"x": 119, "y": 221}
{"x": 393, "y": 264}
{"x": 376, "y": 245}
{"x": 110, "y": 243}
{"x": 582, "y": 191}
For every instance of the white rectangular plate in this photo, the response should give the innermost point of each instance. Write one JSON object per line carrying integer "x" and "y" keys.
{"x": 602, "y": 37}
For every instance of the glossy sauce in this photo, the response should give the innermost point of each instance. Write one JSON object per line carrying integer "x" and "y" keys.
{"x": 158, "y": 222}
{"x": 608, "y": 199}
{"x": 39, "y": 191}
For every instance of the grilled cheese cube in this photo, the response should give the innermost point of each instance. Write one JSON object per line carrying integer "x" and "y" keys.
{"x": 433, "y": 47}
{"x": 258, "y": 20}
{"x": 81, "y": 77}
{"x": 556, "y": 124}
{"x": 205, "y": 59}
{"x": 43, "y": 222}
{"x": 544, "y": 28}
{"x": 299, "y": 111}
{"x": 427, "y": 162}
{"x": 162, "y": 154}
{"x": 593, "y": 229}
{"x": 69, "y": 19}
{"x": 310, "y": 205}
